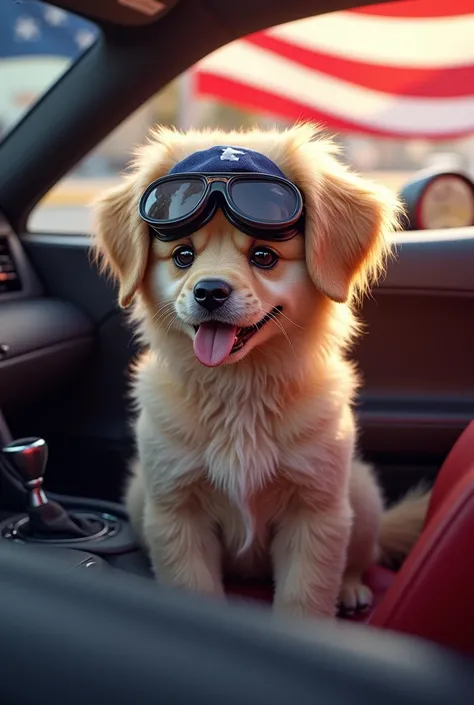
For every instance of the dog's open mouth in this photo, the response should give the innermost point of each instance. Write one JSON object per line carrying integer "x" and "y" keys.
{"x": 215, "y": 341}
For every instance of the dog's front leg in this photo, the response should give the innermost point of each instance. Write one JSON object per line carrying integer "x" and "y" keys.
{"x": 184, "y": 548}
{"x": 309, "y": 554}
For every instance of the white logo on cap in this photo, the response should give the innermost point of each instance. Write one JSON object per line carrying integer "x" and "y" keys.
{"x": 229, "y": 154}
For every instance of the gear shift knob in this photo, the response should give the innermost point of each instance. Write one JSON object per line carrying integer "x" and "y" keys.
{"x": 28, "y": 458}
{"x": 46, "y": 519}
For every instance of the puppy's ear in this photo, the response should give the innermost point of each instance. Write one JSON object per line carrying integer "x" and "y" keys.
{"x": 348, "y": 220}
{"x": 121, "y": 239}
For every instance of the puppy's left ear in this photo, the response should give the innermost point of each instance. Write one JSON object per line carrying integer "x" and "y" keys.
{"x": 348, "y": 220}
{"x": 121, "y": 240}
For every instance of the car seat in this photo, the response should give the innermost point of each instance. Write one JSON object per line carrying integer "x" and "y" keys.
{"x": 432, "y": 595}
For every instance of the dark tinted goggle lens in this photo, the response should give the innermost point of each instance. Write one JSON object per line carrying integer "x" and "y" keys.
{"x": 264, "y": 201}
{"x": 173, "y": 200}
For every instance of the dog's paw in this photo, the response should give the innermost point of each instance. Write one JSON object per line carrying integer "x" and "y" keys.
{"x": 354, "y": 597}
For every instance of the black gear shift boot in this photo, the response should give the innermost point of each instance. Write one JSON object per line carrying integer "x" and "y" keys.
{"x": 101, "y": 528}
{"x": 50, "y": 520}
{"x": 47, "y": 520}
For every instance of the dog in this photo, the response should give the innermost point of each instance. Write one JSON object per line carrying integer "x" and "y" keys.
{"x": 246, "y": 435}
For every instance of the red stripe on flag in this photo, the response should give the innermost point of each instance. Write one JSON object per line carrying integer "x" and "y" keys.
{"x": 243, "y": 96}
{"x": 427, "y": 83}
{"x": 418, "y": 8}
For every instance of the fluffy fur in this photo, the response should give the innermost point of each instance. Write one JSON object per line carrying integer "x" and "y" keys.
{"x": 250, "y": 467}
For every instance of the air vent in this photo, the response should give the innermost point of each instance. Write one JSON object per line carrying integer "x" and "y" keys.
{"x": 9, "y": 279}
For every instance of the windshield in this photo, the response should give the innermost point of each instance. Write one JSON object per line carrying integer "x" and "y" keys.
{"x": 38, "y": 44}
{"x": 392, "y": 82}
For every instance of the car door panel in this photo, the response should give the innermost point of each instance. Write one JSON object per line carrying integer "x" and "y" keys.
{"x": 416, "y": 353}
{"x": 43, "y": 341}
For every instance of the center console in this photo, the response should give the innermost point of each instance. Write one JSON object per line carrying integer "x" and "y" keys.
{"x": 82, "y": 533}
{"x": 44, "y": 342}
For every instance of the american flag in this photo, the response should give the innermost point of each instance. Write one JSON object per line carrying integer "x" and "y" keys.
{"x": 32, "y": 28}
{"x": 400, "y": 69}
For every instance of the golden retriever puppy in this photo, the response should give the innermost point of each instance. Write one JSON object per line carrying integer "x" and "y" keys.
{"x": 243, "y": 273}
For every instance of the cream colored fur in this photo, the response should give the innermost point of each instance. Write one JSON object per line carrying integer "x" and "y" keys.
{"x": 251, "y": 467}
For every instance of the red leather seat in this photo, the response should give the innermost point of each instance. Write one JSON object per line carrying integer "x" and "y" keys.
{"x": 432, "y": 595}
{"x": 455, "y": 466}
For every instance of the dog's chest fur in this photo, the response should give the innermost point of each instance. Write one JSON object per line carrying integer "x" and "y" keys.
{"x": 225, "y": 430}
{"x": 229, "y": 444}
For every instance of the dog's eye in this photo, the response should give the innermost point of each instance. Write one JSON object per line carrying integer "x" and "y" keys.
{"x": 263, "y": 257}
{"x": 183, "y": 256}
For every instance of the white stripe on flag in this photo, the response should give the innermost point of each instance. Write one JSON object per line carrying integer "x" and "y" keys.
{"x": 419, "y": 42}
{"x": 247, "y": 64}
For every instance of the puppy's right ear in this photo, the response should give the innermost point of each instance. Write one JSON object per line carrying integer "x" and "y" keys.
{"x": 121, "y": 240}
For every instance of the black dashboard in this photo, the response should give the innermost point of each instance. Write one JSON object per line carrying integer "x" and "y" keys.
{"x": 42, "y": 340}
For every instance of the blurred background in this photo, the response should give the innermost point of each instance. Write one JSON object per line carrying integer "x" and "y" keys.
{"x": 394, "y": 83}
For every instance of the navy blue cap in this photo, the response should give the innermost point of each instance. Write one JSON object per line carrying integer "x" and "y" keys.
{"x": 221, "y": 159}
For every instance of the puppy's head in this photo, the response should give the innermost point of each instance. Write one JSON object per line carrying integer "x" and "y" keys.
{"x": 228, "y": 292}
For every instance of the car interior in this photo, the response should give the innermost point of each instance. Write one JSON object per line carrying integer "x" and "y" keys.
{"x": 65, "y": 352}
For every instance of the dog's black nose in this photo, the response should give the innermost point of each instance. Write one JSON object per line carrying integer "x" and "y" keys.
{"x": 212, "y": 293}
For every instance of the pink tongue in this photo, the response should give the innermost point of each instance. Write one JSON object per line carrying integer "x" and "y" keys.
{"x": 213, "y": 342}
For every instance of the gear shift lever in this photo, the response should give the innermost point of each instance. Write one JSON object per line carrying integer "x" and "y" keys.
{"x": 27, "y": 458}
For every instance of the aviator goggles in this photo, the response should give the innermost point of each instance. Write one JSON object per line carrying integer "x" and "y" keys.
{"x": 263, "y": 206}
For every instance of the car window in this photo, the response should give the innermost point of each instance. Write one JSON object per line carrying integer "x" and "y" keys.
{"x": 394, "y": 83}
{"x": 38, "y": 44}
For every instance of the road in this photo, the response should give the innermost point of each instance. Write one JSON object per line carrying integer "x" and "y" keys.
{"x": 61, "y": 219}
{"x": 66, "y": 208}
